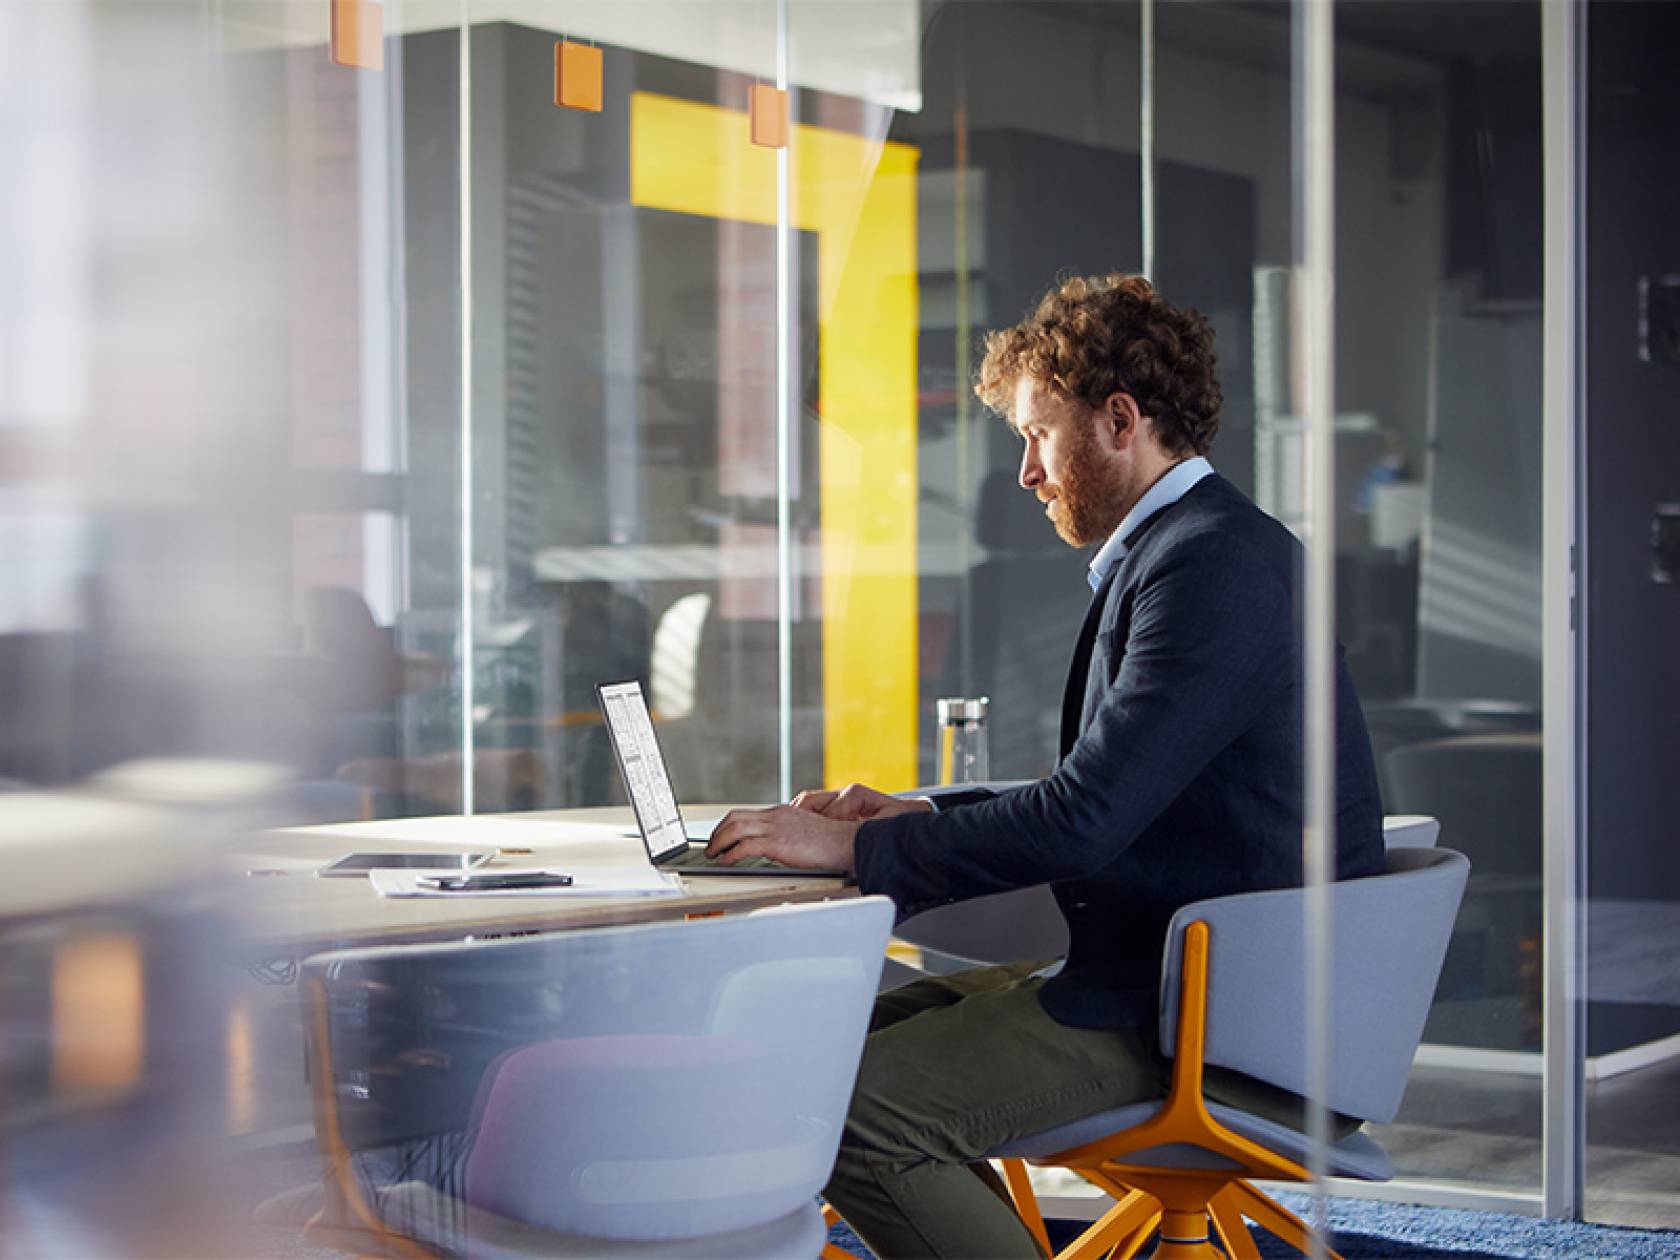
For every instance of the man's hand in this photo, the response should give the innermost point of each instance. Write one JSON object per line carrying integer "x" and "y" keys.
{"x": 857, "y": 803}
{"x": 794, "y": 837}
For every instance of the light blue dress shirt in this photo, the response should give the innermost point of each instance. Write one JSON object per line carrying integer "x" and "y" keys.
{"x": 1172, "y": 486}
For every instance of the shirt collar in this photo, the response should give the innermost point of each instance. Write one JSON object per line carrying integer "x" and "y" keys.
{"x": 1168, "y": 489}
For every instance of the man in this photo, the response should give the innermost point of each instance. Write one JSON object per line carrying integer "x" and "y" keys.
{"x": 1179, "y": 779}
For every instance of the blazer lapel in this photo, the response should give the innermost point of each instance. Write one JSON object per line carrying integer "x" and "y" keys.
{"x": 1073, "y": 698}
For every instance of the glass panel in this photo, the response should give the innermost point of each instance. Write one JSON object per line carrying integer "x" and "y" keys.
{"x": 358, "y": 170}
{"x": 1023, "y": 132}
{"x": 229, "y": 543}
{"x": 362, "y": 257}
{"x": 1438, "y": 439}
{"x": 1030, "y": 172}
{"x": 624, "y": 415}
{"x": 1632, "y": 562}
{"x": 626, "y": 412}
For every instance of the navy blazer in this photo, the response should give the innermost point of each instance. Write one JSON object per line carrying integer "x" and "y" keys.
{"x": 1180, "y": 775}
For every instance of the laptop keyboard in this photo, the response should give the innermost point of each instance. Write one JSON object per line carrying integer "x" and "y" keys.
{"x": 696, "y": 856}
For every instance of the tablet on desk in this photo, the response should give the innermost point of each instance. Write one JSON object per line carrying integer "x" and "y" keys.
{"x": 352, "y": 864}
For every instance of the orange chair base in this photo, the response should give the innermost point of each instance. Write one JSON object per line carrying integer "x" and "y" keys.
{"x": 1187, "y": 1208}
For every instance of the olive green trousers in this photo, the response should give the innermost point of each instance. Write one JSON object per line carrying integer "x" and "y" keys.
{"x": 954, "y": 1067}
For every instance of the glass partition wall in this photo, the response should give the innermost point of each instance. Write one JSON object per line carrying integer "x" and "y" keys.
{"x": 1438, "y": 556}
{"x": 1032, "y": 132}
{"x": 693, "y": 408}
{"x": 532, "y": 397}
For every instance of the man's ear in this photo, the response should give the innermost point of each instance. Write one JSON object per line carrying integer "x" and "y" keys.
{"x": 1125, "y": 421}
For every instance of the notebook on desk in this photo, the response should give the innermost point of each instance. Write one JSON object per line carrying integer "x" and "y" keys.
{"x": 647, "y": 782}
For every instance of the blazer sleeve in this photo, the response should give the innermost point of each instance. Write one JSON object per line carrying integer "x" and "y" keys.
{"x": 952, "y": 796}
{"x": 1210, "y": 644}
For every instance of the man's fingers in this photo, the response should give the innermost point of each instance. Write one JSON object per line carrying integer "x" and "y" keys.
{"x": 816, "y": 800}
{"x": 738, "y": 832}
{"x": 784, "y": 833}
{"x": 750, "y": 840}
{"x": 741, "y": 850}
{"x": 727, "y": 834}
{"x": 848, "y": 804}
{"x": 854, "y": 803}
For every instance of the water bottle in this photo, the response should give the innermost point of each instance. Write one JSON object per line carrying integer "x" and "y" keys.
{"x": 962, "y": 740}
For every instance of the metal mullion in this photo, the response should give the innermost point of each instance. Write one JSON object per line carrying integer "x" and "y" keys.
{"x": 784, "y": 427}
{"x": 1314, "y": 139}
{"x": 1563, "y": 625}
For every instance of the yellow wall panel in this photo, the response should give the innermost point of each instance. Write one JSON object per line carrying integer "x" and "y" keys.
{"x": 859, "y": 196}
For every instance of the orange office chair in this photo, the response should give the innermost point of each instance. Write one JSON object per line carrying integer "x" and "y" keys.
{"x": 1233, "y": 995}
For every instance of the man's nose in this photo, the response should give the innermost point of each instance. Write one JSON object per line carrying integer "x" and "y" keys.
{"x": 1032, "y": 472}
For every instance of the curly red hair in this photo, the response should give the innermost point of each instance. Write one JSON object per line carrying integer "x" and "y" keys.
{"x": 1092, "y": 336}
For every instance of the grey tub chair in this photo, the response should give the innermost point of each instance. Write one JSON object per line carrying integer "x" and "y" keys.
{"x": 1233, "y": 995}
{"x": 659, "y": 1090}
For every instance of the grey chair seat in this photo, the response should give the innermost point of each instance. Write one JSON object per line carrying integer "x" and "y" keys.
{"x": 1354, "y": 1156}
{"x": 440, "y": 1220}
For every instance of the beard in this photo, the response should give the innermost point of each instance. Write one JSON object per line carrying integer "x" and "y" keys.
{"x": 1090, "y": 501}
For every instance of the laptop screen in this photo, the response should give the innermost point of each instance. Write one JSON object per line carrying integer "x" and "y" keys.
{"x": 643, "y": 767}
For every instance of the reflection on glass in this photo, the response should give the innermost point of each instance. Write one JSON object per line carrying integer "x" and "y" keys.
{"x": 231, "y": 456}
{"x": 625, "y": 439}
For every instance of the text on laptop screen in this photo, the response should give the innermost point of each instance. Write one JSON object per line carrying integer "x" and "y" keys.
{"x": 644, "y": 768}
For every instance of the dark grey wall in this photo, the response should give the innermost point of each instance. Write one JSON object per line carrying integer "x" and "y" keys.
{"x": 1054, "y": 208}
{"x": 432, "y": 279}
{"x": 1632, "y": 462}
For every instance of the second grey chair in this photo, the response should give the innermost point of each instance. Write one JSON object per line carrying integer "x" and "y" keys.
{"x": 660, "y": 1090}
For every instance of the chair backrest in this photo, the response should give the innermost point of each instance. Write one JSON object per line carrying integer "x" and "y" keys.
{"x": 1485, "y": 789}
{"x": 1410, "y": 831}
{"x": 656, "y": 1081}
{"x": 1389, "y": 933}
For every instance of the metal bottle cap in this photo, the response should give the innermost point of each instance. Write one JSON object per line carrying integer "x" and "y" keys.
{"x": 961, "y": 709}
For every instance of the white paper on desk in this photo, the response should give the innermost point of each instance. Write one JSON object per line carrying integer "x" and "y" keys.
{"x": 640, "y": 880}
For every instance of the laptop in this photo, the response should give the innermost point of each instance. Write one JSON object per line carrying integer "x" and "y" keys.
{"x": 670, "y": 845}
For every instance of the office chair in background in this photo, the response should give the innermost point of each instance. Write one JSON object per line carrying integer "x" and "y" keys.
{"x": 1486, "y": 790}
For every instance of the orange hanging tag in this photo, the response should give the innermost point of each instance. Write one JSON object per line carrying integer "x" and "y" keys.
{"x": 577, "y": 76}
{"x": 358, "y": 34}
{"x": 768, "y": 108}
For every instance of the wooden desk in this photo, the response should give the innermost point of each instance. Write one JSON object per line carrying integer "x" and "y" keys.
{"x": 292, "y": 911}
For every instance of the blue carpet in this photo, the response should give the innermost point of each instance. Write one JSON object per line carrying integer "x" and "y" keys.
{"x": 1362, "y": 1230}
{"x": 1395, "y": 1231}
